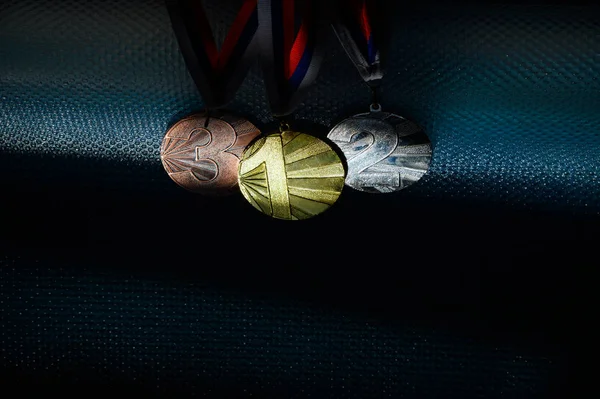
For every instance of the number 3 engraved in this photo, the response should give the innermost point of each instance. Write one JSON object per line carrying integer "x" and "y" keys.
{"x": 197, "y": 157}
{"x": 364, "y": 149}
{"x": 221, "y": 138}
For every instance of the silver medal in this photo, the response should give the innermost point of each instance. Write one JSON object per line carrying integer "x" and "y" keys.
{"x": 384, "y": 152}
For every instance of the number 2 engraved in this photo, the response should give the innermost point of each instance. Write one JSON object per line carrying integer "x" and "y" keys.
{"x": 271, "y": 155}
{"x": 360, "y": 158}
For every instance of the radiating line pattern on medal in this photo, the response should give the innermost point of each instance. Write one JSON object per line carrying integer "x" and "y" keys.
{"x": 202, "y": 154}
{"x": 384, "y": 152}
{"x": 291, "y": 175}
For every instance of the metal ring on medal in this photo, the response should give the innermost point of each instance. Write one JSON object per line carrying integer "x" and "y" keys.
{"x": 291, "y": 175}
{"x": 202, "y": 154}
{"x": 384, "y": 152}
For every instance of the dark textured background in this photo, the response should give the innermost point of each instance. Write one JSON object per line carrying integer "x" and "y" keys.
{"x": 476, "y": 282}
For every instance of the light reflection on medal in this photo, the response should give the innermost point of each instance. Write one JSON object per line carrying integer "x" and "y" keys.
{"x": 384, "y": 152}
{"x": 201, "y": 154}
{"x": 291, "y": 175}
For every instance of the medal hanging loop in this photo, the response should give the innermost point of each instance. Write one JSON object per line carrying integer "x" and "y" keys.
{"x": 375, "y": 106}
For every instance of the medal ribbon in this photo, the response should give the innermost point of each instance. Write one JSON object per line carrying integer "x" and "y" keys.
{"x": 217, "y": 73}
{"x": 289, "y": 55}
{"x": 354, "y": 29}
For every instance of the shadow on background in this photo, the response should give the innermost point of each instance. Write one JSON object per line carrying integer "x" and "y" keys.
{"x": 502, "y": 278}
{"x": 116, "y": 280}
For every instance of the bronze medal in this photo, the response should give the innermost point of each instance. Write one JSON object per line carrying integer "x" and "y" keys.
{"x": 202, "y": 154}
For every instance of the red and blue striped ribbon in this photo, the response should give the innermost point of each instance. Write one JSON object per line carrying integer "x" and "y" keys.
{"x": 288, "y": 35}
{"x": 354, "y": 28}
{"x": 218, "y": 73}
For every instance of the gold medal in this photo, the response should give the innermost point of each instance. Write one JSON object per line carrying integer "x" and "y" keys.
{"x": 291, "y": 175}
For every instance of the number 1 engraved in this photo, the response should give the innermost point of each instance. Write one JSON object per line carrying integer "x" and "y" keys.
{"x": 271, "y": 155}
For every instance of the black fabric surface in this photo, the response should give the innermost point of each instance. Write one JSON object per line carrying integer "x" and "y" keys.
{"x": 475, "y": 282}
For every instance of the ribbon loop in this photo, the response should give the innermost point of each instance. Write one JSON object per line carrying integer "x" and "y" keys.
{"x": 289, "y": 35}
{"x": 354, "y": 27}
{"x": 218, "y": 73}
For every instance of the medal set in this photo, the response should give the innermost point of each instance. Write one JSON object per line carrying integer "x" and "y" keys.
{"x": 286, "y": 174}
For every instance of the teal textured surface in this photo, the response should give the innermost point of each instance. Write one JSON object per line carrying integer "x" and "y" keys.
{"x": 508, "y": 94}
{"x": 474, "y": 283}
